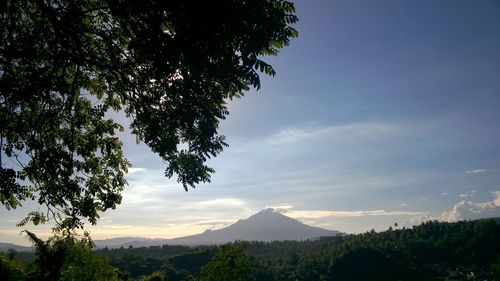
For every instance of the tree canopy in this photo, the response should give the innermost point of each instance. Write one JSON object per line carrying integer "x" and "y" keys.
{"x": 230, "y": 263}
{"x": 171, "y": 66}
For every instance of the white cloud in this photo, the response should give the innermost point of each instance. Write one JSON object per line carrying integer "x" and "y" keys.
{"x": 416, "y": 220}
{"x": 220, "y": 203}
{"x": 476, "y": 171}
{"x": 444, "y": 193}
{"x": 403, "y": 205}
{"x": 134, "y": 170}
{"x": 497, "y": 198}
{"x": 467, "y": 194}
{"x": 280, "y": 207}
{"x": 464, "y": 210}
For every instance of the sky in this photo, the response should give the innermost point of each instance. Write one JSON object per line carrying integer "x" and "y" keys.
{"x": 381, "y": 112}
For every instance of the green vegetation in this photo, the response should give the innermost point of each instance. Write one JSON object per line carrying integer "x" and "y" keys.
{"x": 439, "y": 251}
{"x": 229, "y": 263}
{"x": 59, "y": 258}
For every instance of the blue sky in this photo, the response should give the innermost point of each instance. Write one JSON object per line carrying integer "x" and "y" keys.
{"x": 380, "y": 112}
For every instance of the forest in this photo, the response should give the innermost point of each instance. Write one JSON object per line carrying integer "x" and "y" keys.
{"x": 465, "y": 250}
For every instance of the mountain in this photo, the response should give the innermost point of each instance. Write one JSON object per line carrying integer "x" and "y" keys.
{"x": 266, "y": 225}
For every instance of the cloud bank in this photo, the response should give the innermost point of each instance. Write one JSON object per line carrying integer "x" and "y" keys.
{"x": 318, "y": 214}
{"x": 465, "y": 210}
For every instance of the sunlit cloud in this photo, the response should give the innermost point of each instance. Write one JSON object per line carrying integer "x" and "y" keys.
{"x": 184, "y": 224}
{"x": 150, "y": 231}
{"x": 217, "y": 203}
{"x": 280, "y": 207}
{"x": 472, "y": 210}
{"x": 10, "y": 234}
{"x": 496, "y": 194}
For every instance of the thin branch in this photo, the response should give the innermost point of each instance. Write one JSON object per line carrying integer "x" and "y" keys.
{"x": 1, "y": 150}
{"x": 19, "y": 163}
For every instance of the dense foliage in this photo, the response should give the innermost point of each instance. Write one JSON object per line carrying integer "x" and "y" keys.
{"x": 229, "y": 263}
{"x": 170, "y": 66}
{"x": 61, "y": 259}
{"x": 432, "y": 251}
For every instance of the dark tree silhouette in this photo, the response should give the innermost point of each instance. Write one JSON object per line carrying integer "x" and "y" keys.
{"x": 171, "y": 66}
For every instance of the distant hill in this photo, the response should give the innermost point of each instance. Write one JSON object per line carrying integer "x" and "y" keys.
{"x": 127, "y": 241}
{"x": 266, "y": 225}
{"x": 5, "y": 247}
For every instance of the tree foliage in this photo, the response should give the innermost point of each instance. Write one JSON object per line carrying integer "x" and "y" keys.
{"x": 229, "y": 264}
{"x": 171, "y": 66}
{"x": 60, "y": 258}
{"x": 11, "y": 269}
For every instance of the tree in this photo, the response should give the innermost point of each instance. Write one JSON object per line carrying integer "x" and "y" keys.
{"x": 229, "y": 264}
{"x": 171, "y": 66}
{"x": 11, "y": 269}
{"x": 68, "y": 258}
